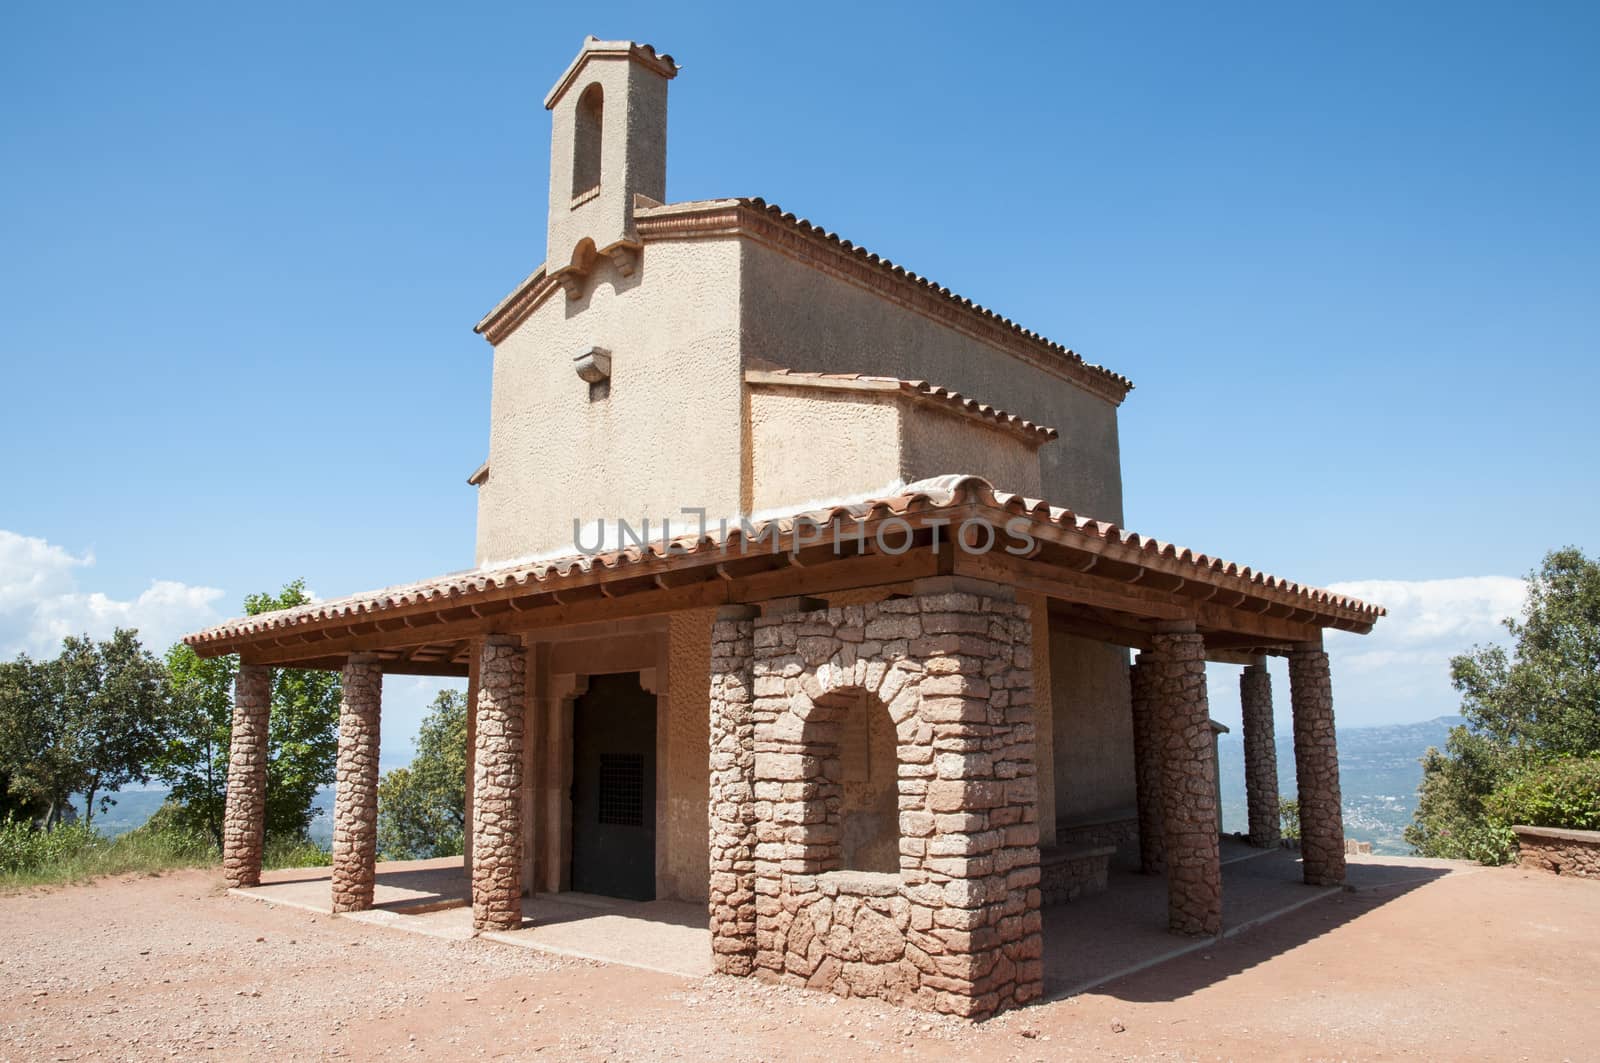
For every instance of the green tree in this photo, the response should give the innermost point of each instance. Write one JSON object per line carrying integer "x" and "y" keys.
{"x": 91, "y": 721}
{"x": 422, "y": 809}
{"x": 195, "y": 762}
{"x": 302, "y": 733}
{"x": 1538, "y": 704}
{"x": 34, "y": 770}
{"x": 116, "y": 705}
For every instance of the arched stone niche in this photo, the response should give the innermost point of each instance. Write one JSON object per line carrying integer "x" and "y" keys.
{"x": 956, "y": 928}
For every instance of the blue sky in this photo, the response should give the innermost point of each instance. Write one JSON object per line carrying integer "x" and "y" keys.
{"x": 1348, "y": 253}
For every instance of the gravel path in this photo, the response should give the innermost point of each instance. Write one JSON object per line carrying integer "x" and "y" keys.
{"x": 1488, "y": 965}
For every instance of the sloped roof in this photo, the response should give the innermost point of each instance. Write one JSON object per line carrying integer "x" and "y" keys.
{"x": 919, "y": 390}
{"x": 926, "y": 498}
{"x": 644, "y": 54}
{"x": 765, "y": 221}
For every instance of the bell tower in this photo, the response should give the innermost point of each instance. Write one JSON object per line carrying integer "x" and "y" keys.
{"x": 608, "y": 143}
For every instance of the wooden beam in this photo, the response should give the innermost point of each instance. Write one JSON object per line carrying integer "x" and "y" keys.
{"x": 443, "y": 669}
{"x": 1064, "y": 617}
{"x": 1143, "y": 602}
{"x": 866, "y": 570}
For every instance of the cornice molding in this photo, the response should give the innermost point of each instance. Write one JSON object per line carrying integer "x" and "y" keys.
{"x": 808, "y": 244}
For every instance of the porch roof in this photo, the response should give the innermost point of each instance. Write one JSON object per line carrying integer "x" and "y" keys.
{"x": 1103, "y": 582}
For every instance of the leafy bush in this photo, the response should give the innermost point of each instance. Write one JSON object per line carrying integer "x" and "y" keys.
{"x": 294, "y": 850}
{"x": 1565, "y": 793}
{"x": 74, "y": 852}
{"x": 1484, "y": 841}
{"x": 1531, "y": 721}
{"x": 1289, "y": 817}
{"x": 24, "y": 849}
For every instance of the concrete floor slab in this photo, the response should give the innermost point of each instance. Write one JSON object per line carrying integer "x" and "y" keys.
{"x": 1087, "y": 943}
{"x": 412, "y": 886}
{"x": 667, "y": 936}
{"x": 433, "y": 897}
{"x": 1110, "y": 935}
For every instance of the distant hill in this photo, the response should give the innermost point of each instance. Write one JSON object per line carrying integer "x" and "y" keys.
{"x": 133, "y": 807}
{"x": 1380, "y": 769}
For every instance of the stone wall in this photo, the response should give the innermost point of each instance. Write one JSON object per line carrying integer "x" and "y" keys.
{"x": 1069, "y": 872}
{"x": 732, "y": 811}
{"x": 1560, "y": 852}
{"x": 1118, "y": 830}
{"x": 957, "y": 929}
{"x": 1142, "y": 677}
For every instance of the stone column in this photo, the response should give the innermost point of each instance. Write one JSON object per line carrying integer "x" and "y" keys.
{"x": 497, "y": 785}
{"x": 1188, "y": 783}
{"x": 1142, "y": 677}
{"x": 1260, "y": 754}
{"x": 355, "y": 796}
{"x": 244, "y": 817}
{"x": 732, "y": 801}
{"x": 1316, "y": 766}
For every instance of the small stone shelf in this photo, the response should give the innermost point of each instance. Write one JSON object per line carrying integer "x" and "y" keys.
{"x": 1069, "y": 872}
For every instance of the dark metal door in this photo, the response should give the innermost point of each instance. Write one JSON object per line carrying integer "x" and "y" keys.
{"x": 614, "y": 789}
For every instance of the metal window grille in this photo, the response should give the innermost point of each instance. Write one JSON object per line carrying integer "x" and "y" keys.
{"x": 622, "y": 789}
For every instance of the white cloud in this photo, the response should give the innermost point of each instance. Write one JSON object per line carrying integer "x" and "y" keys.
{"x": 1435, "y": 611}
{"x": 41, "y": 602}
{"x": 1400, "y": 673}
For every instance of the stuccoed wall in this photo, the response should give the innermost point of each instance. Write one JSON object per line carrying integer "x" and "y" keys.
{"x": 935, "y": 443}
{"x": 633, "y": 156}
{"x": 682, "y": 872}
{"x": 810, "y": 446}
{"x": 801, "y": 318}
{"x": 1093, "y": 731}
{"x": 667, "y": 437}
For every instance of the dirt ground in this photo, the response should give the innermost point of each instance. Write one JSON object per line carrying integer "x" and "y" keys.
{"x": 1492, "y": 964}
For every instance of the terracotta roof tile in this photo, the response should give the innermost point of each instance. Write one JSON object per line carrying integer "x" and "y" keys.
{"x": 788, "y": 218}
{"x": 724, "y": 216}
{"x": 934, "y": 494}
{"x": 920, "y": 389}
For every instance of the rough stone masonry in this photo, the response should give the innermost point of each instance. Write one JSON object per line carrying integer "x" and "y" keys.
{"x": 355, "y": 804}
{"x": 957, "y": 929}
{"x": 1260, "y": 755}
{"x": 245, "y": 809}
{"x": 1188, "y": 783}
{"x": 1316, "y": 760}
{"x": 497, "y": 786}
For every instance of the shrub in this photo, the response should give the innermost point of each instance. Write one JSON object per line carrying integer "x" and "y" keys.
{"x": 290, "y": 850}
{"x": 24, "y": 849}
{"x": 74, "y": 852}
{"x": 1289, "y": 816}
{"x": 1485, "y": 841}
{"x": 1563, "y": 793}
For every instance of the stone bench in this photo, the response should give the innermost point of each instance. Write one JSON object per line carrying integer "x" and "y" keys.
{"x": 1067, "y": 872}
{"x": 1560, "y": 852}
